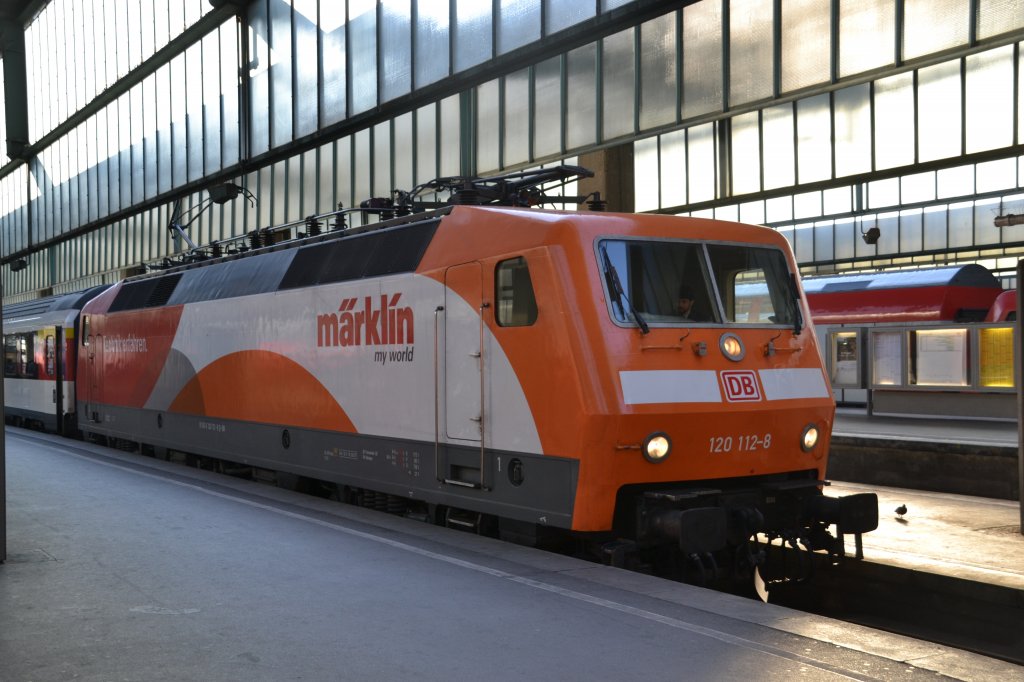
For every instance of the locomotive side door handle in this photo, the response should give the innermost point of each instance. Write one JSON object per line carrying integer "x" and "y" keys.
{"x": 437, "y": 397}
{"x": 480, "y": 420}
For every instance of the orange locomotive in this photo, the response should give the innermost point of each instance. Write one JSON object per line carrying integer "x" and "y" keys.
{"x": 601, "y": 373}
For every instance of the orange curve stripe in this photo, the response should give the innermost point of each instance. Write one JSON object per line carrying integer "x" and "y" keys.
{"x": 260, "y": 386}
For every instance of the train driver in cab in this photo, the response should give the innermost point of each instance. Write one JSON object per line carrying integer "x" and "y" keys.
{"x": 684, "y": 304}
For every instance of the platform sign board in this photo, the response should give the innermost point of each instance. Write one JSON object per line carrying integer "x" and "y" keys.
{"x": 939, "y": 357}
{"x": 845, "y": 357}
{"x": 887, "y": 358}
{"x": 995, "y": 348}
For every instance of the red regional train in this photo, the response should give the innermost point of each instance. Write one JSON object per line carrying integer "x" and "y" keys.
{"x": 958, "y": 293}
{"x": 489, "y": 364}
{"x": 932, "y": 342}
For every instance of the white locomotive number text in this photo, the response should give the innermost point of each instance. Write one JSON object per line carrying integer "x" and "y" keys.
{"x": 740, "y": 443}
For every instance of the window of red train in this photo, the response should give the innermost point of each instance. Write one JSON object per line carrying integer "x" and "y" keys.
{"x": 10, "y": 356}
{"x": 51, "y": 356}
{"x": 26, "y": 356}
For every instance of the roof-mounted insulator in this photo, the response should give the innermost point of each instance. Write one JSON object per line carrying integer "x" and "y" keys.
{"x": 255, "y": 240}
{"x": 382, "y": 206}
{"x": 467, "y": 196}
{"x": 312, "y": 226}
{"x": 339, "y": 220}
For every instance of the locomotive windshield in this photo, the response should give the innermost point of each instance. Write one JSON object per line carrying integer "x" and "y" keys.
{"x": 674, "y": 283}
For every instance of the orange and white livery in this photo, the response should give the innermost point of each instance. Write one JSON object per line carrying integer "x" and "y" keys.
{"x": 528, "y": 366}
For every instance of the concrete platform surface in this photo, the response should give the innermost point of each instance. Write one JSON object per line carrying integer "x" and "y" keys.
{"x": 855, "y": 423}
{"x": 122, "y": 567}
{"x": 963, "y": 457}
{"x": 969, "y": 538}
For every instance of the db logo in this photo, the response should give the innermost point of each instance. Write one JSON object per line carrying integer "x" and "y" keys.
{"x": 740, "y": 386}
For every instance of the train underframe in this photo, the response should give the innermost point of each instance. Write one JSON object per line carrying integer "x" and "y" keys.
{"x": 715, "y": 533}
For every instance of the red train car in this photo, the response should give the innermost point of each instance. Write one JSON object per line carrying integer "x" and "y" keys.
{"x": 960, "y": 293}
{"x": 933, "y": 342}
{"x": 1004, "y": 308}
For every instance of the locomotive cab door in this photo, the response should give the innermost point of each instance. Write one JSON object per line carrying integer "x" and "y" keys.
{"x": 464, "y": 372}
{"x": 55, "y": 360}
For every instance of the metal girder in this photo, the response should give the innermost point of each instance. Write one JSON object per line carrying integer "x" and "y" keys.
{"x": 583, "y": 33}
{"x": 12, "y": 45}
{"x": 177, "y": 46}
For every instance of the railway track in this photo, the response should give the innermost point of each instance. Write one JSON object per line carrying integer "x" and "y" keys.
{"x": 983, "y": 618}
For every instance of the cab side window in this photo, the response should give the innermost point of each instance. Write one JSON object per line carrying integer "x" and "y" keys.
{"x": 516, "y": 303}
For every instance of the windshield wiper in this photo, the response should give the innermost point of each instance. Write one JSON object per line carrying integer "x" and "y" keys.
{"x": 611, "y": 276}
{"x": 798, "y": 322}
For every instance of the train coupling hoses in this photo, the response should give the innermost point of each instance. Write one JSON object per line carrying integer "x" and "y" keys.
{"x": 702, "y": 530}
{"x": 851, "y": 514}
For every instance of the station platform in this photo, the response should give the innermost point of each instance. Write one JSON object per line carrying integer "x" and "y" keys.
{"x": 128, "y": 568}
{"x": 852, "y": 422}
{"x": 960, "y": 456}
{"x": 974, "y": 539}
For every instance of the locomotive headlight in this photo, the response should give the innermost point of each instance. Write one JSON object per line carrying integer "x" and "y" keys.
{"x": 732, "y": 347}
{"x": 656, "y": 447}
{"x": 809, "y": 438}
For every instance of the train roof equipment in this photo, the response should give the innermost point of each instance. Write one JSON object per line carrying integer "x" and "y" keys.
{"x": 962, "y": 293}
{"x": 519, "y": 188}
{"x": 529, "y": 188}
